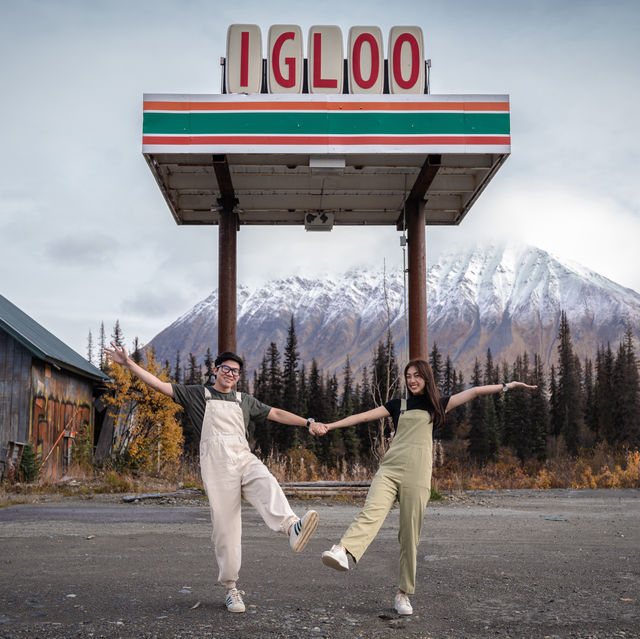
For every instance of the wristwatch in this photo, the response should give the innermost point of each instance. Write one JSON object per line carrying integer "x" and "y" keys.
{"x": 505, "y": 388}
{"x": 310, "y": 421}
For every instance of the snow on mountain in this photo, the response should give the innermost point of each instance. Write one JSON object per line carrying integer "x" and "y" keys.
{"x": 504, "y": 297}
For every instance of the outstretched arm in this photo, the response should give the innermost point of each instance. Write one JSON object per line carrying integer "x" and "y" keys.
{"x": 120, "y": 356}
{"x": 476, "y": 391}
{"x": 359, "y": 418}
{"x": 291, "y": 419}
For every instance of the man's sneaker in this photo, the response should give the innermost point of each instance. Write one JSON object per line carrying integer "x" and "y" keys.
{"x": 402, "y": 604}
{"x": 336, "y": 558}
{"x": 234, "y": 600}
{"x": 301, "y": 531}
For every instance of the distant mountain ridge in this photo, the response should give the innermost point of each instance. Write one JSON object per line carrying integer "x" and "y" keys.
{"x": 507, "y": 298}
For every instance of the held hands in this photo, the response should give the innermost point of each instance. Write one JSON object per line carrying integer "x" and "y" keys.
{"x": 317, "y": 428}
{"x": 118, "y": 354}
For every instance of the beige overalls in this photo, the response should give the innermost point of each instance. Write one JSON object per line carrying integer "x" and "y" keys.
{"x": 405, "y": 472}
{"x": 229, "y": 470}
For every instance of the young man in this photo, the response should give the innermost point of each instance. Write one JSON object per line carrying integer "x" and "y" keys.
{"x": 229, "y": 469}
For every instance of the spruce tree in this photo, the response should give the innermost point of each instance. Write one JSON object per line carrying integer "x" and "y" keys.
{"x": 630, "y": 399}
{"x": 490, "y": 426}
{"x": 290, "y": 371}
{"x": 275, "y": 375}
{"x": 345, "y": 409}
{"x": 626, "y": 399}
{"x": 102, "y": 343}
{"x": 447, "y": 378}
{"x": 194, "y": 373}
{"x": 606, "y": 394}
{"x": 117, "y": 337}
{"x": 136, "y": 351}
{"x": 208, "y": 367}
{"x": 492, "y": 376}
{"x": 511, "y": 413}
{"x": 177, "y": 371}
{"x": 346, "y": 402}
{"x": 590, "y": 398}
{"x": 280, "y": 434}
{"x": 556, "y": 421}
{"x": 569, "y": 404}
{"x": 290, "y": 398}
{"x": 315, "y": 406}
{"x": 366, "y": 403}
{"x": 435, "y": 361}
{"x": 303, "y": 392}
{"x": 90, "y": 348}
{"x": 478, "y": 438}
{"x": 242, "y": 386}
{"x": 356, "y": 399}
{"x": 332, "y": 442}
{"x": 456, "y": 419}
{"x": 538, "y": 412}
{"x": 262, "y": 432}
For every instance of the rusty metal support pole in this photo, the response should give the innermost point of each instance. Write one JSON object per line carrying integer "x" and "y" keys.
{"x": 417, "y": 263}
{"x": 227, "y": 258}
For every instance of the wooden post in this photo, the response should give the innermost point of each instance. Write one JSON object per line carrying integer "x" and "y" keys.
{"x": 227, "y": 258}
{"x": 416, "y": 242}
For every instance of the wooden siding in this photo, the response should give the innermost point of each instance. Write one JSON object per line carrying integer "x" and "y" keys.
{"x": 15, "y": 391}
{"x": 60, "y": 400}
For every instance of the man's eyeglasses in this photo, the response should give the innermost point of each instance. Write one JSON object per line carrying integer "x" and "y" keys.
{"x": 235, "y": 372}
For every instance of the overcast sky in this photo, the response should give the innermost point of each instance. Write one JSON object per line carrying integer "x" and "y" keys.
{"x": 85, "y": 235}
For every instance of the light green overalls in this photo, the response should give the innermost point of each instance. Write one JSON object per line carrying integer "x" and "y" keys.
{"x": 405, "y": 472}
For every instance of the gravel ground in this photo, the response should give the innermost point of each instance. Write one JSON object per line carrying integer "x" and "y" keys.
{"x": 557, "y": 563}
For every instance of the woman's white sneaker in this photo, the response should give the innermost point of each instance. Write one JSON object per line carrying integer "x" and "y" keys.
{"x": 233, "y": 600}
{"x": 336, "y": 558}
{"x": 402, "y": 604}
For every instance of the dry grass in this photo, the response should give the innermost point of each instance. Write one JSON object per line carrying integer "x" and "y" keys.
{"x": 300, "y": 464}
{"x": 600, "y": 467}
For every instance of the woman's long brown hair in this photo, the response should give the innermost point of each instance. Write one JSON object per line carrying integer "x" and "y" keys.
{"x": 430, "y": 389}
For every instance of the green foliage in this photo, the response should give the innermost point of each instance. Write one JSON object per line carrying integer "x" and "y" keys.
{"x": 29, "y": 468}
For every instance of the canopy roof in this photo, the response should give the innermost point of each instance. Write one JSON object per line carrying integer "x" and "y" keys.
{"x": 289, "y": 159}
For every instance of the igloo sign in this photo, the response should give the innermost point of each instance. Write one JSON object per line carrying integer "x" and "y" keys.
{"x": 284, "y": 72}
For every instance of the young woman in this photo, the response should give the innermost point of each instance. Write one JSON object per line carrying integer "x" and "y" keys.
{"x": 405, "y": 472}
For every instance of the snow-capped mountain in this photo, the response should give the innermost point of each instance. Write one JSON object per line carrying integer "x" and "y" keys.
{"x": 507, "y": 298}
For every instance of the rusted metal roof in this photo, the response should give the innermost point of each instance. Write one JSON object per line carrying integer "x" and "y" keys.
{"x": 43, "y": 344}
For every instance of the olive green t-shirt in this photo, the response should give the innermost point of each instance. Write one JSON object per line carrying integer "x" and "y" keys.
{"x": 191, "y": 398}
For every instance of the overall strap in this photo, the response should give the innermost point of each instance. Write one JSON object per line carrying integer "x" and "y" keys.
{"x": 403, "y": 405}
{"x": 238, "y": 397}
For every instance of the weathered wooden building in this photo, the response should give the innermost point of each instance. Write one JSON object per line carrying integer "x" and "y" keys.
{"x": 47, "y": 392}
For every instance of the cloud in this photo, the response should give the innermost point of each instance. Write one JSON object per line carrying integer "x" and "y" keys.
{"x": 154, "y": 304}
{"x": 597, "y": 232}
{"x": 86, "y": 251}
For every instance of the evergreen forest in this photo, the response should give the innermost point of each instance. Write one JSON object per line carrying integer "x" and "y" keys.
{"x": 577, "y": 406}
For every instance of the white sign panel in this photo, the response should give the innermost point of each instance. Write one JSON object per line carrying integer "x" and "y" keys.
{"x": 405, "y": 70}
{"x": 244, "y": 59}
{"x": 285, "y": 59}
{"x": 366, "y": 60}
{"x": 326, "y": 68}
{"x": 406, "y": 60}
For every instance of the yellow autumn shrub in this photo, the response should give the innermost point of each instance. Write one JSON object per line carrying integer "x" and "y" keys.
{"x": 149, "y": 433}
